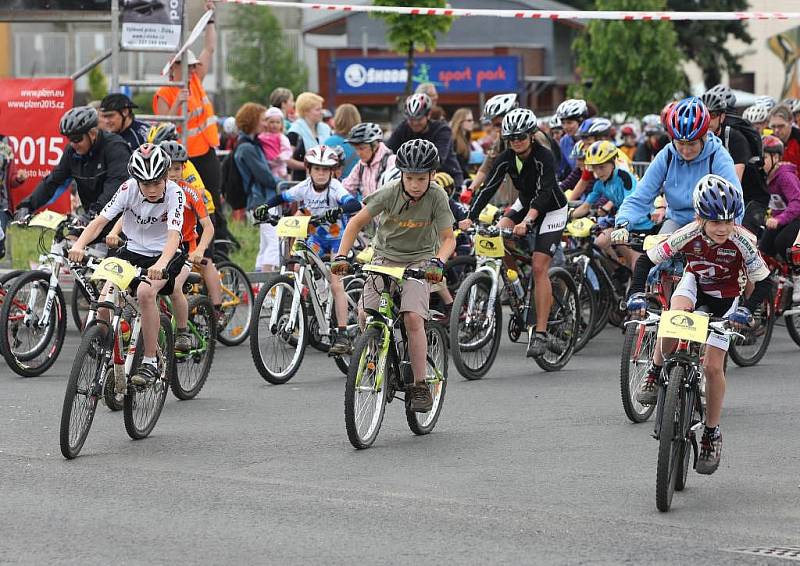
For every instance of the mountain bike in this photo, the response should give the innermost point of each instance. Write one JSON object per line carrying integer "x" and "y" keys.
{"x": 33, "y": 319}
{"x": 679, "y": 407}
{"x": 238, "y": 298}
{"x": 380, "y": 370}
{"x": 477, "y": 316}
{"x": 290, "y": 304}
{"x": 109, "y": 352}
{"x": 579, "y": 266}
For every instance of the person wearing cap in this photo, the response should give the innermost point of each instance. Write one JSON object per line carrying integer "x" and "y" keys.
{"x": 202, "y": 134}
{"x": 116, "y": 116}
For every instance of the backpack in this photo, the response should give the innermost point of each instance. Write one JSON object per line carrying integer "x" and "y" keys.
{"x": 750, "y": 134}
{"x": 232, "y": 184}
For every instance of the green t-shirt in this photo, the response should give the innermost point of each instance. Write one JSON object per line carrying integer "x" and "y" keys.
{"x": 408, "y": 232}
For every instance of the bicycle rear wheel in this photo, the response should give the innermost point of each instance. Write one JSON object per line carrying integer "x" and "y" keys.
{"x": 365, "y": 393}
{"x": 237, "y": 304}
{"x": 277, "y": 353}
{"x": 143, "y": 405}
{"x": 80, "y": 400}
{"x": 562, "y": 324}
{"x": 191, "y": 368}
{"x": 748, "y": 352}
{"x": 435, "y": 379}
{"x": 474, "y": 331}
{"x": 673, "y": 437}
{"x": 637, "y": 351}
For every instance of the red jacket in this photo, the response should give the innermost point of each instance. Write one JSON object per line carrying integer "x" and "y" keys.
{"x": 791, "y": 150}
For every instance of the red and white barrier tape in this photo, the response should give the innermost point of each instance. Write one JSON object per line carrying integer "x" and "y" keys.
{"x": 529, "y": 14}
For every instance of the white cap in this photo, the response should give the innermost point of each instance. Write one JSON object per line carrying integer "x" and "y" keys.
{"x": 193, "y": 60}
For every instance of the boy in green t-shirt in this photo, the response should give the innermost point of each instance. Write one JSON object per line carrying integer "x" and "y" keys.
{"x": 415, "y": 229}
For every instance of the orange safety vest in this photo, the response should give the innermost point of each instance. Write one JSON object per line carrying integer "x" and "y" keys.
{"x": 202, "y": 133}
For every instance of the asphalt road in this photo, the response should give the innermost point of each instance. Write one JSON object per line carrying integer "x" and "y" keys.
{"x": 524, "y": 467}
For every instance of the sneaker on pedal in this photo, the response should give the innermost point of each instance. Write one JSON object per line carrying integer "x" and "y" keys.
{"x": 146, "y": 375}
{"x": 183, "y": 342}
{"x": 710, "y": 453}
{"x": 341, "y": 344}
{"x": 796, "y": 289}
{"x": 537, "y": 345}
{"x": 648, "y": 390}
{"x": 419, "y": 398}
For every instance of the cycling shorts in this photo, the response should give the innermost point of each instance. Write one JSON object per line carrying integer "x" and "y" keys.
{"x": 174, "y": 267}
{"x": 718, "y": 307}
{"x": 546, "y": 236}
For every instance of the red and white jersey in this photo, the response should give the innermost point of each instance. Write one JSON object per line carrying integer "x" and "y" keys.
{"x": 718, "y": 268}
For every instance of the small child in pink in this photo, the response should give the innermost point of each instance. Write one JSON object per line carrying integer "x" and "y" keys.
{"x": 275, "y": 144}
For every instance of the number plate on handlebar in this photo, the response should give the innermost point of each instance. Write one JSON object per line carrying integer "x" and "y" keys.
{"x": 396, "y": 272}
{"x": 119, "y": 272}
{"x": 489, "y": 246}
{"x": 488, "y": 214}
{"x": 683, "y": 326}
{"x": 47, "y": 219}
{"x": 580, "y": 227}
{"x": 293, "y": 226}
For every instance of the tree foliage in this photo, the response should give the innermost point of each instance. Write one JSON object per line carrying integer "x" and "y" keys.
{"x": 259, "y": 58}
{"x": 704, "y": 42}
{"x": 408, "y": 34}
{"x": 631, "y": 67}
{"x": 98, "y": 83}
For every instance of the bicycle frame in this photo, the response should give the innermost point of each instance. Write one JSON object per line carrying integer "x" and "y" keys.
{"x": 190, "y": 326}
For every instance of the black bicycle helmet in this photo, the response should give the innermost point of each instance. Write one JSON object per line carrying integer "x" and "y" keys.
{"x": 162, "y": 132}
{"x": 176, "y": 151}
{"x": 116, "y": 102}
{"x": 519, "y": 121}
{"x": 365, "y": 132}
{"x": 78, "y": 121}
{"x": 417, "y": 156}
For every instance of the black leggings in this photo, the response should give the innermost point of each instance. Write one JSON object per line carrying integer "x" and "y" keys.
{"x": 775, "y": 242}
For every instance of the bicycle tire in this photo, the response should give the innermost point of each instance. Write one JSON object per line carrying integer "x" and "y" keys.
{"x": 92, "y": 350}
{"x": 563, "y": 309}
{"x": 79, "y": 304}
{"x": 436, "y": 358}
{"x": 150, "y": 398}
{"x": 671, "y": 437}
{"x": 353, "y": 292}
{"x": 457, "y": 269}
{"x": 460, "y": 358}
{"x": 586, "y": 313}
{"x": 23, "y": 363}
{"x": 604, "y": 298}
{"x": 793, "y": 327}
{"x": 366, "y": 354}
{"x": 639, "y": 342}
{"x": 273, "y": 371}
{"x": 237, "y": 323}
{"x": 110, "y": 394}
{"x": 765, "y": 318}
{"x": 186, "y": 385}
{"x": 685, "y": 452}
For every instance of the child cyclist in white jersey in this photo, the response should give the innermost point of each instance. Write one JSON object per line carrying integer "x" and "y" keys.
{"x": 152, "y": 217}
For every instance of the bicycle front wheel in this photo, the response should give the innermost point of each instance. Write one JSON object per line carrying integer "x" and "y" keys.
{"x": 192, "y": 367}
{"x": 474, "y": 330}
{"x": 80, "y": 399}
{"x": 29, "y": 346}
{"x": 353, "y": 293}
{"x": 562, "y": 324}
{"x": 143, "y": 405}
{"x": 435, "y": 379}
{"x": 278, "y": 351}
{"x": 673, "y": 437}
{"x": 637, "y": 351}
{"x": 237, "y": 304}
{"x": 80, "y": 303}
{"x": 586, "y": 313}
{"x": 366, "y": 389}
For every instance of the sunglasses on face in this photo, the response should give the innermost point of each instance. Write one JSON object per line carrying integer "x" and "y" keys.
{"x": 516, "y": 137}
{"x": 76, "y": 139}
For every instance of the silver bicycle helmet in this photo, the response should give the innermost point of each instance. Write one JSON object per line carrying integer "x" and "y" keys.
{"x": 177, "y": 153}
{"x": 78, "y": 121}
{"x": 572, "y": 109}
{"x": 500, "y": 105}
{"x": 756, "y": 114}
{"x": 365, "y": 132}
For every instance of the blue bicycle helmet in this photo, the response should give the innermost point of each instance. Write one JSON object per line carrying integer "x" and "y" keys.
{"x": 583, "y": 130}
{"x": 715, "y": 198}
{"x": 688, "y": 120}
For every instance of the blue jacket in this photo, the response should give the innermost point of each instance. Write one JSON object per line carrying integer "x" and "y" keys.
{"x": 619, "y": 187}
{"x": 257, "y": 181}
{"x": 350, "y": 155}
{"x": 567, "y": 164}
{"x": 678, "y": 178}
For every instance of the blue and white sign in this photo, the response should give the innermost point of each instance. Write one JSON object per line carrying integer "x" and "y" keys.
{"x": 449, "y": 74}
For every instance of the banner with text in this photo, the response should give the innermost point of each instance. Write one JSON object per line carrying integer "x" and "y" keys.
{"x": 449, "y": 74}
{"x": 30, "y": 110}
{"x": 151, "y": 25}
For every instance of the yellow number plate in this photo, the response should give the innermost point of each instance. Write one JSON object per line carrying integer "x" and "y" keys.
{"x": 117, "y": 271}
{"x": 488, "y": 213}
{"x": 366, "y": 255}
{"x": 47, "y": 219}
{"x": 490, "y": 246}
{"x": 580, "y": 227}
{"x": 396, "y": 272}
{"x": 652, "y": 241}
{"x": 684, "y": 326}
{"x": 293, "y": 226}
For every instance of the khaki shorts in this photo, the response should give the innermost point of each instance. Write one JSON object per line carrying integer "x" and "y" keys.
{"x": 414, "y": 294}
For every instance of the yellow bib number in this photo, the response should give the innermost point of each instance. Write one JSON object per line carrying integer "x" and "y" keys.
{"x": 489, "y": 246}
{"x": 396, "y": 272}
{"x": 293, "y": 226}
{"x": 47, "y": 219}
{"x": 683, "y": 326}
{"x": 488, "y": 214}
{"x": 117, "y": 271}
{"x": 580, "y": 227}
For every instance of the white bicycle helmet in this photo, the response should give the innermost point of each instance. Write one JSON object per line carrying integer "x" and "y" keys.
{"x": 148, "y": 163}
{"x": 388, "y": 176}
{"x": 600, "y": 127}
{"x": 500, "y": 105}
{"x": 766, "y": 101}
{"x": 756, "y": 114}
{"x": 572, "y": 109}
{"x": 517, "y": 122}
{"x": 555, "y": 122}
{"x": 322, "y": 156}
{"x": 418, "y": 105}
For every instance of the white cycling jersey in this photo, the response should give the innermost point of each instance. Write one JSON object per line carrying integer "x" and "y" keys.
{"x": 317, "y": 202}
{"x": 145, "y": 224}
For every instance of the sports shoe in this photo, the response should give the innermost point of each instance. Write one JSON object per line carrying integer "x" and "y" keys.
{"x": 419, "y": 398}
{"x": 710, "y": 453}
{"x": 796, "y": 289}
{"x": 341, "y": 344}
{"x": 183, "y": 341}
{"x": 145, "y": 375}
{"x": 648, "y": 390}
{"x": 537, "y": 345}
